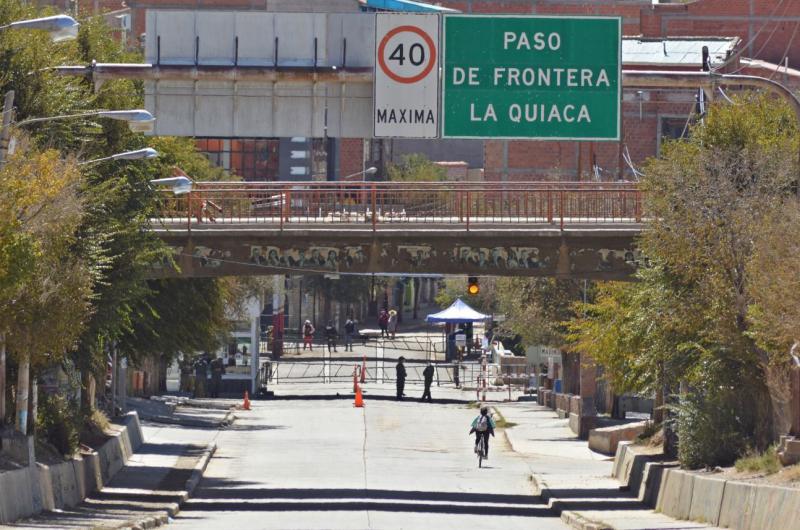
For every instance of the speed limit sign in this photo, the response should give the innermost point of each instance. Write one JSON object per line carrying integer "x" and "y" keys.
{"x": 406, "y": 76}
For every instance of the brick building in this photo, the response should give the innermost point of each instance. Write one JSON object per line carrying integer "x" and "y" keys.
{"x": 763, "y": 38}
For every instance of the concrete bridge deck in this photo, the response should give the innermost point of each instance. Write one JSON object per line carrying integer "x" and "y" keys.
{"x": 534, "y": 229}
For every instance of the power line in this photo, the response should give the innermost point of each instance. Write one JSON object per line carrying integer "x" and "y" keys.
{"x": 764, "y": 45}
{"x": 786, "y": 51}
{"x": 752, "y": 40}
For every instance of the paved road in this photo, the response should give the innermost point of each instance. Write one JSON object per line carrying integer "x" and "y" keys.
{"x": 324, "y": 464}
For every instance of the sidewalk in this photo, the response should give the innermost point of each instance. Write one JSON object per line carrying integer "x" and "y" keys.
{"x": 149, "y": 489}
{"x": 208, "y": 413}
{"x": 573, "y": 480}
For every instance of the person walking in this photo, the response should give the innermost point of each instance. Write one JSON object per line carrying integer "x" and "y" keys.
{"x": 392, "y": 324}
{"x": 383, "y": 322}
{"x": 401, "y": 378}
{"x": 308, "y": 335}
{"x": 427, "y": 374}
{"x": 217, "y": 371}
{"x": 349, "y": 333}
{"x": 331, "y": 334}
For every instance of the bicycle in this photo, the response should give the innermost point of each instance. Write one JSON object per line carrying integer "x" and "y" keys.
{"x": 479, "y": 450}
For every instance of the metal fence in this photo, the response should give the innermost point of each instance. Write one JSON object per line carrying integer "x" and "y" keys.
{"x": 389, "y": 204}
{"x": 377, "y": 371}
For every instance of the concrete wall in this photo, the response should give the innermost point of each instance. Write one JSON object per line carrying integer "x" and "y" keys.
{"x": 705, "y": 497}
{"x": 227, "y": 108}
{"x": 26, "y": 492}
{"x": 606, "y": 439}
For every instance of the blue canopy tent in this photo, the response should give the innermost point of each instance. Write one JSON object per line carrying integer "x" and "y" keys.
{"x": 457, "y": 313}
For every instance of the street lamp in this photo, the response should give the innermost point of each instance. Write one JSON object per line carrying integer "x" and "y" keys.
{"x": 180, "y": 184}
{"x": 60, "y": 27}
{"x": 139, "y": 154}
{"x": 369, "y": 171}
{"x": 139, "y": 120}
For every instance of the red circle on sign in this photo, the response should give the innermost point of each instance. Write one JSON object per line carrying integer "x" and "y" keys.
{"x": 400, "y": 78}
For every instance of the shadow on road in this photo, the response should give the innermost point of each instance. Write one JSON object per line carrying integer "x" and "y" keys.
{"x": 226, "y": 498}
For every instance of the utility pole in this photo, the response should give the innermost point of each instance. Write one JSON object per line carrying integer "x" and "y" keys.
{"x": 5, "y": 129}
{"x": 23, "y": 387}
{"x": 2, "y": 379}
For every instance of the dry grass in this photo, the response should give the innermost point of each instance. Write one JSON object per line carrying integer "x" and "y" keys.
{"x": 501, "y": 422}
{"x": 766, "y": 462}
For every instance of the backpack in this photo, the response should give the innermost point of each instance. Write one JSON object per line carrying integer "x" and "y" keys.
{"x": 483, "y": 423}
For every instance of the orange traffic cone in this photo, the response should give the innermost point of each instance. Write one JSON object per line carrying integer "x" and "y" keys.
{"x": 364, "y": 370}
{"x": 359, "y": 402}
{"x": 246, "y": 404}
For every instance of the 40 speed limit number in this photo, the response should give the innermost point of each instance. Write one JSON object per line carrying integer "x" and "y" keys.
{"x": 406, "y": 76}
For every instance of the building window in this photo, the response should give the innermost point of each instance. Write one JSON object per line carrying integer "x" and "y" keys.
{"x": 672, "y": 128}
{"x": 250, "y": 158}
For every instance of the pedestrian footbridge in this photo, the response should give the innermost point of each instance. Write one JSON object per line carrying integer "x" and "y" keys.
{"x": 584, "y": 230}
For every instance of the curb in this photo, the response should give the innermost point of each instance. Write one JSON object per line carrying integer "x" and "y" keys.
{"x": 228, "y": 419}
{"x": 190, "y": 422}
{"x": 568, "y": 517}
{"x": 579, "y": 522}
{"x": 173, "y": 509}
{"x": 542, "y": 490}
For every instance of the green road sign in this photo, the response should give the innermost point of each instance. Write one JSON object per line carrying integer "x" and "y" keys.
{"x": 548, "y": 78}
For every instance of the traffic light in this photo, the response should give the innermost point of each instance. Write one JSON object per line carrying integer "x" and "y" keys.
{"x": 472, "y": 286}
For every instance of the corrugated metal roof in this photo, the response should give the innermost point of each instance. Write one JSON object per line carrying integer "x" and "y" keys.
{"x": 676, "y": 50}
{"x": 405, "y": 6}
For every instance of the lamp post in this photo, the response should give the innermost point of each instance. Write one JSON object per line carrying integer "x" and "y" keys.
{"x": 369, "y": 171}
{"x": 139, "y": 154}
{"x": 139, "y": 120}
{"x": 60, "y": 27}
{"x": 179, "y": 184}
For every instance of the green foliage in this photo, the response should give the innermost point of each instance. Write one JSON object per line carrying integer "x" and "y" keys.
{"x": 109, "y": 252}
{"x": 416, "y": 168}
{"x": 179, "y": 316}
{"x": 774, "y": 313}
{"x": 345, "y": 289}
{"x": 57, "y": 423}
{"x": 713, "y": 427}
{"x": 536, "y": 309}
{"x": 47, "y": 286}
{"x": 753, "y": 462}
{"x": 717, "y": 230}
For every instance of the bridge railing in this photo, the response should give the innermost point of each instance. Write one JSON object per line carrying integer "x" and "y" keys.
{"x": 380, "y": 204}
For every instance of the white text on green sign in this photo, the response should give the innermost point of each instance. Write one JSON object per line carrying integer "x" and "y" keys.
{"x": 531, "y": 77}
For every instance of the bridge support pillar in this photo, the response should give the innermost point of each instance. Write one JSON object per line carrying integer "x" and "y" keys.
{"x": 586, "y": 418}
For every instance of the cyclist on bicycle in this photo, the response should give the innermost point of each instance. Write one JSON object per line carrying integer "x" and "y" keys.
{"x": 483, "y": 426}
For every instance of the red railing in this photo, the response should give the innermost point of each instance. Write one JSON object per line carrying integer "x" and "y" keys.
{"x": 377, "y": 204}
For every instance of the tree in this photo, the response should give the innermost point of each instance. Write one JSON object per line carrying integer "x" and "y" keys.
{"x": 113, "y": 239}
{"x": 537, "y": 308}
{"x": 689, "y": 321}
{"x": 46, "y": 296}
{"x": 416, "y": 168}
